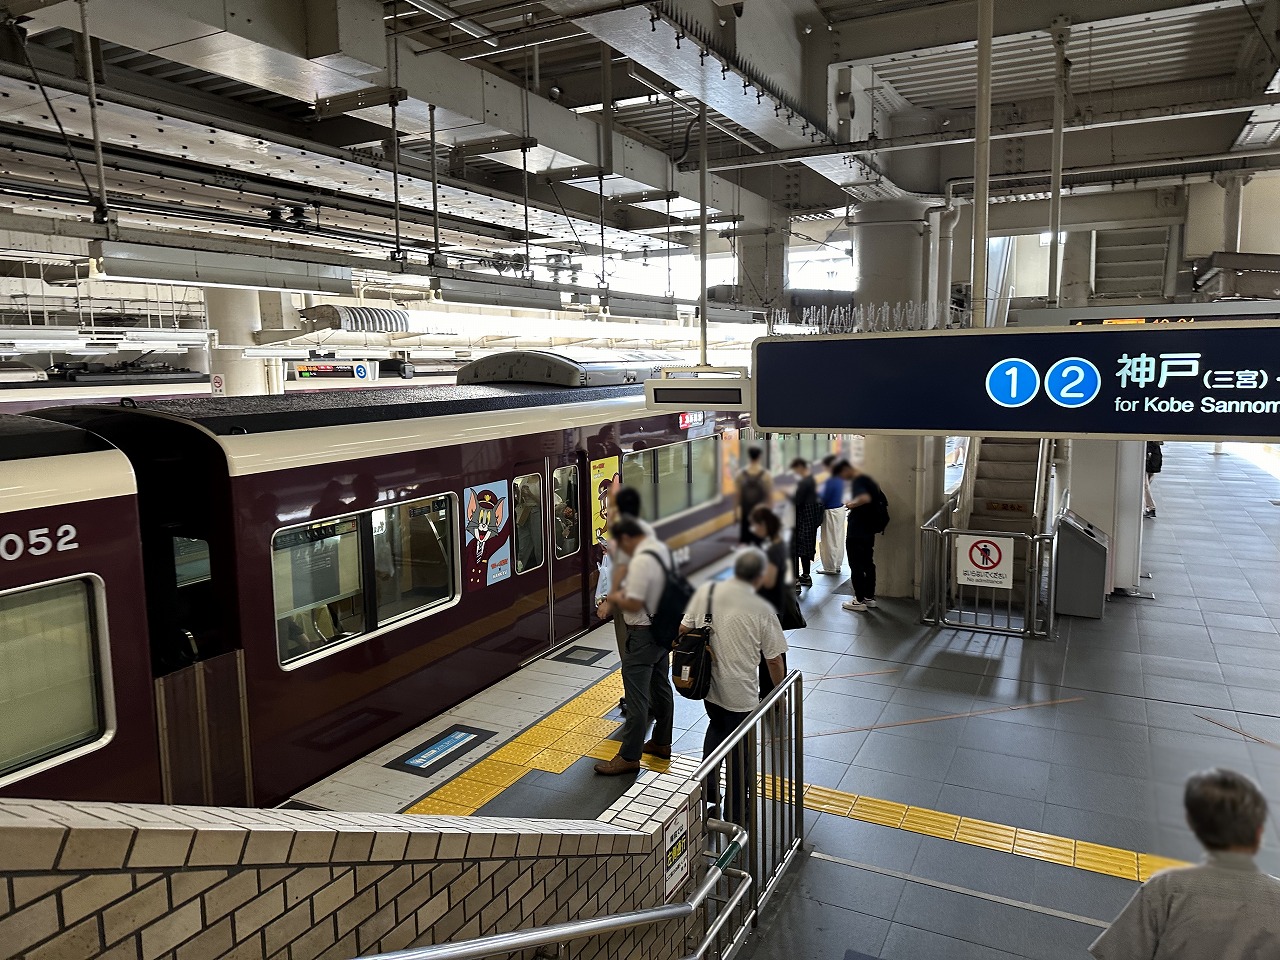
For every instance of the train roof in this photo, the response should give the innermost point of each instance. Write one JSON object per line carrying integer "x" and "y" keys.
{"x": 225, "y": 416}
{"x": 25, "y": 438}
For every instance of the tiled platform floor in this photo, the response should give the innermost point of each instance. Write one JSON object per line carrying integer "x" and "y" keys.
{"x": 1162, "y": 683}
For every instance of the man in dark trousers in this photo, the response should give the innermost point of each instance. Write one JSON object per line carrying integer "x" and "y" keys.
{"x": 865, "y": 521}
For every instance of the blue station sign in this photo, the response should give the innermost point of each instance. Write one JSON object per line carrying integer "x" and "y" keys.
{"x": 1207, "y": 382}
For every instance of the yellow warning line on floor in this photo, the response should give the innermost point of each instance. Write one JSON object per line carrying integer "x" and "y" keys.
{"x": 557, "y": 741}
{"x": 579, "y": 729}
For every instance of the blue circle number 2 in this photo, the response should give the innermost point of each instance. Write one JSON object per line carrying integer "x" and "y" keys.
{"x": 1013, "y": 382}
{"x": 1072, "y": 382}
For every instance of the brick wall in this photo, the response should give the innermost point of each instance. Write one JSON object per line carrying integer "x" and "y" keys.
{"x": 126, "y": 882}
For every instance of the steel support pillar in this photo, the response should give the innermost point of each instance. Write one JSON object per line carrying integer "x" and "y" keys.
{"x": 1233, "y": 209}
{"x": 1061, "y": 31}
{"x": 982, "y": 161}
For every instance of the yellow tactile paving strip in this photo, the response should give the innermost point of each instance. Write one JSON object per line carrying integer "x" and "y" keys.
{"x": 579, "y": 729}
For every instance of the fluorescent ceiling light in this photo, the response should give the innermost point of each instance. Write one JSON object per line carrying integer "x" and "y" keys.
{"x": 438, "y": 10}
{"x": 513, "y": 296}
{"x": 145, "y": 263}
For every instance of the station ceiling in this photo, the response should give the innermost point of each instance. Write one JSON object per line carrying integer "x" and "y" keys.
{"x": 237, "y": 118}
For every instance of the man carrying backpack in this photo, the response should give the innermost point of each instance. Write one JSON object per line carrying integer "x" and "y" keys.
{"x": 868, "y": 516}
{"x": 646, "y": 681}
{"x": 755, "y": 487}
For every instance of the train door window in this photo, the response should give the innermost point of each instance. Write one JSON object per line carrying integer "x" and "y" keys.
{"x": 50, "y": 675}
{"x": 673, "y": 479}
{"x": 412, "y": 556}
{"x": 530, "y": 548}
{"x": 564, "y": 491}
{"x": 190, "y": 561}
{"x": 704, "y": 470}
{"x": 319, "y": 586}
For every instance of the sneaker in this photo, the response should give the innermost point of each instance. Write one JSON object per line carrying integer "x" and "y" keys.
{"x": 828, "y": 573}
{"x": 857, "y": 606}
{"x": 805, "y": 581}
{"x": 870, "y": 604}
{"x": 1148, "y": 513}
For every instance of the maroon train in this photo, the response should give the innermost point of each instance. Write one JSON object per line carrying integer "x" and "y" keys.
{"x": 298, "y": 580}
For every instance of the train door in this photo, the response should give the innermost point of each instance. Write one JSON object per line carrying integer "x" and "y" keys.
{"x": 570, "y": 549}
{"x": 530, "y": 500}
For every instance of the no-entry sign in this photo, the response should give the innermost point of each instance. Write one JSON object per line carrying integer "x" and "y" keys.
{"x": 985, "y": 562}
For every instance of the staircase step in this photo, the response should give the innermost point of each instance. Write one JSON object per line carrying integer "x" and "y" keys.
{"x": 1006, "y": 470}
{"x": 1003, "y": 507}
{"x": 991, "y": 487}
{"x": 1002, "y": 451}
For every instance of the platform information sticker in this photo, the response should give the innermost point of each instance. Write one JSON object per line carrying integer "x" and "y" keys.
{"x": 985, "y": 562}
{"x": 675, "y": 840}
{"x": 440, "y": 751}
{"x": 1162, "y": 381}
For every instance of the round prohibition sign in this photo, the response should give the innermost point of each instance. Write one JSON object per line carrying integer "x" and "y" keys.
{"x": 985, "y": 554}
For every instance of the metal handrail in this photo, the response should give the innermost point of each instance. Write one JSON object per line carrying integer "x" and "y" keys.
{"x": 576, "y": 929}
{"x": 716, "y": 756}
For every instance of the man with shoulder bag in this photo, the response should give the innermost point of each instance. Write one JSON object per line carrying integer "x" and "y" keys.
{"x": 743, "y": 629}
{"x": 646, "y": 683}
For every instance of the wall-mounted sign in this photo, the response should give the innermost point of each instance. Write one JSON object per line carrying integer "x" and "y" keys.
{"x": 1177, "y": 381}
{"x": 675, "y": 841}
{"x": 336, "y": 371}
{"x": 486, "y": 557}
{"x": 985, "y": 562}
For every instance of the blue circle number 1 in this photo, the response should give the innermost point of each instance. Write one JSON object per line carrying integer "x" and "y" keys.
{"x": 1013, "y": 382}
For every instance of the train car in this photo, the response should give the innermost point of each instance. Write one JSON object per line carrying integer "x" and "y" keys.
{"x": 76, "y": 716}
{"x": 326, "y": 571}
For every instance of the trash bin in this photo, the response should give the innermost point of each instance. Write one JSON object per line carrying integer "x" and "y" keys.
{"x": 1083, "y": 577}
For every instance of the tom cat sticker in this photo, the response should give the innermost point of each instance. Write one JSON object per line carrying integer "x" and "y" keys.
{"x": 486, "y": 556}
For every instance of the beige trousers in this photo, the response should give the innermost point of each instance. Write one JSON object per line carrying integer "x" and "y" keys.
{"x": 831, "y": 546}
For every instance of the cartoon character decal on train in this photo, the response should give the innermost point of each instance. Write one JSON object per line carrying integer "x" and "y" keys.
{"x": 487, "y": 555}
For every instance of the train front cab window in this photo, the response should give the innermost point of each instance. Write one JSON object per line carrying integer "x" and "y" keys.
{"x": 52, "y": 676}
{"x": 338, "y": 580}
{"x": 674, "y": 478}
{"x": 530, "y": 546}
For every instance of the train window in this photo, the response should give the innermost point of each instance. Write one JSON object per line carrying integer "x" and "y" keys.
{"x": 564, "y": 491}
{"x": 190, "y": 560}
{"x": 50, "y": 685}
{"x": 530, "y": 548}
{"x": 674, "y": 478}
{"x": 338, "y": 579}
{"x": 704, "y": 471}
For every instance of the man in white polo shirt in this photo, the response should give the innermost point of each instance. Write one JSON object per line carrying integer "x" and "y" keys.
{"x": 743, "y": 627}
{"x": 646, "y": 670}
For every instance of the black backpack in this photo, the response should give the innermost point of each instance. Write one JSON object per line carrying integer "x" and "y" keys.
{"x": 878, "y": 510}
{"x": 664, "y": 620}
{"x": 692, "y": 658}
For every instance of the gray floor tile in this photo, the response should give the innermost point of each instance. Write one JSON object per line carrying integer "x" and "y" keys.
{"x": 1100, "y": 827}
{"x": 1237, "y": 622}
{"x": 1193, "y": 692}
{"x": 1253, "y": 700}
{"x": 995, "y": 807}
{"x": 904, "y": 755}
{"x": 819, "y": 931}
{"x": 1101, "y": 754}
{"x": 1080, "y": 892}
{"x": 839, "y": 885}
{"x": 911, "y": 943}
{"x": 919, "y": 791}
{"x": 1011, "y": 739}
{"x": 1101, "y": 792}
{"x": 863, "y": 842}
{"x": 974, "y": 868}
{"x": 1204, "y": 671}
{"x": 983, "y": 770}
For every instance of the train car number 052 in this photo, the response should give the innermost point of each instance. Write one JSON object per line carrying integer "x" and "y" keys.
{"x": 38, "y": 542}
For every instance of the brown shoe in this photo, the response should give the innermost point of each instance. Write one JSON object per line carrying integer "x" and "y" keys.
{"x": 617, "y": 766}
{"x": 661, "y": 750}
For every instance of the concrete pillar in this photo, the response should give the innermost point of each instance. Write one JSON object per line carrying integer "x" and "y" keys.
{"x": 762, "y": 264}
{"x": 887, "y": 243}
{"x": 1233, "y": 209}
{"x": 886, "y": 239}
{"x": 197, "y": 359}
{"x": 1077, "y": 269}
{"x": 277, "y": 311}
{"x": 235, "y": 315}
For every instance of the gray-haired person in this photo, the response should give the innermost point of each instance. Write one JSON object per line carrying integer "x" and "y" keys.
{"x": 1225, "y": 908}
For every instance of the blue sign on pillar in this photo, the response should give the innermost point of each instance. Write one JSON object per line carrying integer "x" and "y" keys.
{"x": 1203, "y": 381}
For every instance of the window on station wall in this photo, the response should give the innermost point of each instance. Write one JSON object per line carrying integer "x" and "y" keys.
{"x": 337, "y": 580}
{"x": 530, "y": 540}
{"x": 51, "y": 697}
{"x": 567, "y": 528}
{"x": 674, "y": 478}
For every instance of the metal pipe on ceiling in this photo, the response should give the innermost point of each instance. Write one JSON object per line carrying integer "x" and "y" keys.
{"x": 91, "y": 81}
{"x": 702, "y": 235}
{"x": 434, "y": 8}
{"x": 635, "y": 75}
{"x": 982, "y": 161}
{"x": 1061, "y": 30}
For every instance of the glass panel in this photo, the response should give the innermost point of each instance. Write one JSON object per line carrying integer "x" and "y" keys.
{"x": 637, "y": 472}
{"x": 190, "y": 560}
{"x": 672, "y": 479}
{"x": 319, "y": 588}
{"x": 49, "y": 696}
{"x": 413, "y": 556}
{"x": 706, "y": 471}
{"x": 564, "y": 490}
{"x": 528, "y": 523}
